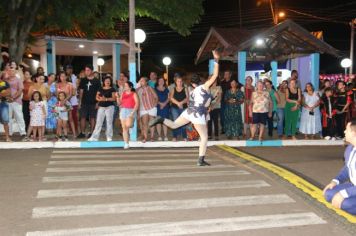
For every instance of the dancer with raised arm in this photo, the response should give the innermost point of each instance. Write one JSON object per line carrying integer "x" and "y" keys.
{"x": 197, "y": 111}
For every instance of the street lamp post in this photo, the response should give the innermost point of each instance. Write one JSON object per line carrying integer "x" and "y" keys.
{"x": 167, "y": 61}
{"x": 346, "y": 63}
{"x": 100, "y": 63}
{"x": 140, "y": 37}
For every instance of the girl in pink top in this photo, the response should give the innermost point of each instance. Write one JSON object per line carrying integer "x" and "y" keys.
{"x": 129, "y": 104}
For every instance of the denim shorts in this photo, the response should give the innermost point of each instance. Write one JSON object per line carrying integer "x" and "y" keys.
{"x": 4, "y": 113}
{"x": 125, "y": 113}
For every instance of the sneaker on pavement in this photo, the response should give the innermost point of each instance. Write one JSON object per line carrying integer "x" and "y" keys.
{"x": 159, "y": 139}
{"x": 92, "y": 139}
{"x": 109, "y": 139}
{"x": 126, "y": 146}
{"x": 333, "y": 138}
{"x": 327, "y": 138}
{"x": 165, "y": 138}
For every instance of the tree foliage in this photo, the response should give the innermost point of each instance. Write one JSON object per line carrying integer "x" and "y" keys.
{"x": 21, "y": 17}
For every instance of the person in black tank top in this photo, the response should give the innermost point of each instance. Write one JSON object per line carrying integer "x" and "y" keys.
{"x": 179, "y": 102}
{"x": 291, "y": 109}
{"x": 343, "y": 100}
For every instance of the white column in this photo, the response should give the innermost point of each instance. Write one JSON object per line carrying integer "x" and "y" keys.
{"x": 116, "y": 53}
{"x": 54, "y": 56}
{"x": 95, "y": 63}
{"x": 43, "y": 61}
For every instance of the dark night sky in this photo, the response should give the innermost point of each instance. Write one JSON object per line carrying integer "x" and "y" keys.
{"x": 161, "y": 40}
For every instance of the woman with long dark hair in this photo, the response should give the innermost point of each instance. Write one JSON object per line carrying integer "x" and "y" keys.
{"x": 233, "y": 98}
{"x": 105, "y": 97}
{"x": 162, "y": 106}
{"x": 129, "y": 105}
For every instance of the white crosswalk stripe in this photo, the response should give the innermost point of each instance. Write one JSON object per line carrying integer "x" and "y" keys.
{"x": 73, "y": 192}
{"x": 99, "y": 162}
{"x": 122, "y": 155}
{"x": 120, "y": 208}
{"x": 81, "y": 178}
{"x": 123, "y": 168}
{"x": 131, "y": 151}
{"x": 194, "y": 227}
{"x": 173, "y": 176}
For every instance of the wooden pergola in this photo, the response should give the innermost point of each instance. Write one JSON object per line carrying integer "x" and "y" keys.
{"x": 284, "y": 41}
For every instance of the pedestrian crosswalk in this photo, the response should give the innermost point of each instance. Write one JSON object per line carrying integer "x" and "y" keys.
{"x": 158, "y": 192}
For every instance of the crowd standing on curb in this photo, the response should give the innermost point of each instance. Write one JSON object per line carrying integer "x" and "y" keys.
{"x": 63, "y": 107}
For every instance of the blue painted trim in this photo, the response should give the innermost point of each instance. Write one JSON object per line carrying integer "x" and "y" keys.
{"x": 211, "y": 66}
{"x": 241, "y": 66}
{"x": 49, "y": 54}
{"x": 274, "y": 67}
{"x": 118, "y": 59}
{"x": 102, "y": 144}
{"x": 315, "y": 65}
{"x": 267, "y": 143}
{"x": 133, "y": 130}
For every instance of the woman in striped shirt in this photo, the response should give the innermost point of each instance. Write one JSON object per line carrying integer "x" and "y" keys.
{"x": 148, "y": 107}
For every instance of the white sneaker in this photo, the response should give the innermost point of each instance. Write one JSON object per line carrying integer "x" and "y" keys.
{"x": 109, "y": 139}
{"x": 126, "y": 146}
{"x": 333, "y": 138}
{"x": 159, "y": 139}
{"x": 327, "y": 138}
{"x": 165, "y": 139}
{"x": 92, "y": 139}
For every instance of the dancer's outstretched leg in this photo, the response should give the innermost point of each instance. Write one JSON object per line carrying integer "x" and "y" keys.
{"x": 203, "y": 133}
{"x": 180, "y": 121}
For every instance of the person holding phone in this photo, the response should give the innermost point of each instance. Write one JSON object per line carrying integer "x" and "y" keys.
{"x": 310, "y": 121}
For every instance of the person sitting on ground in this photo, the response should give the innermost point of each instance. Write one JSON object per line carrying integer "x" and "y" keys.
{"x": 341, "y": 191}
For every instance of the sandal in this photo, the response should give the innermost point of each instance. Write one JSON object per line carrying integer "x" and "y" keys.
{"x": 26, "y": 139}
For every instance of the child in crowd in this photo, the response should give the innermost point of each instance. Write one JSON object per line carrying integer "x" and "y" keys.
{"x": 328, "y": 111}
{"x": 38, "y": 117}
{"x": 61, "y": 111}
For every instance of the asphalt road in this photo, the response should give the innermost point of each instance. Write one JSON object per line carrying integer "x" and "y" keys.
{"x": 147, "y": 192}
{"x": 318, "y": 165}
